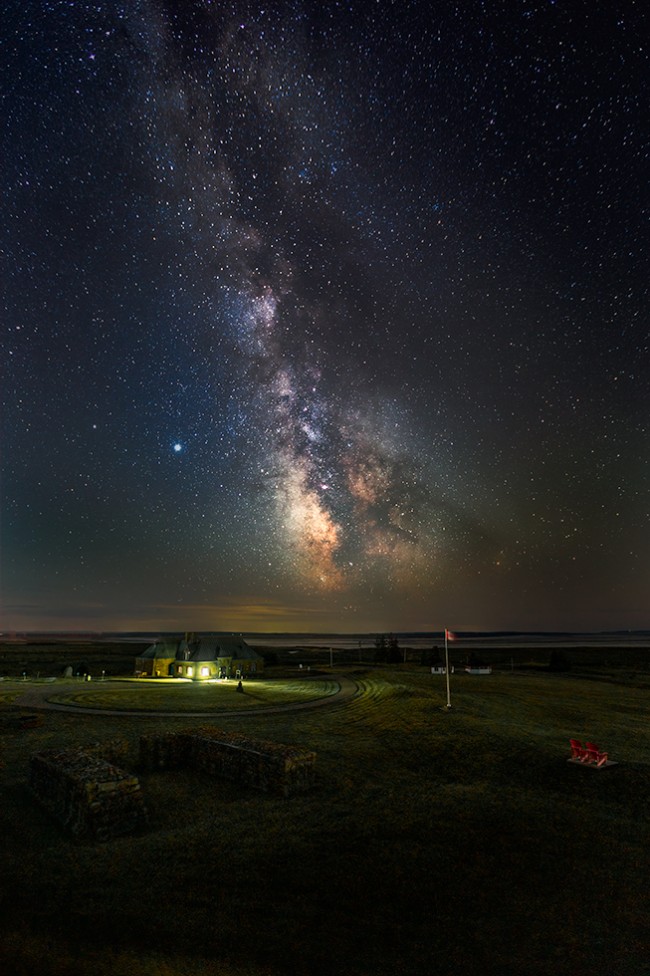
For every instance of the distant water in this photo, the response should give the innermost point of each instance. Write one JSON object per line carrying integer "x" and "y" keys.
{"x": 345, "y": 642}
{"x": 469, "y": 640}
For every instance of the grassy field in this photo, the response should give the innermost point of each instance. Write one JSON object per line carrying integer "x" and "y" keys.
{"x": 176, "y": 696}
{"x": 434, "y": 842}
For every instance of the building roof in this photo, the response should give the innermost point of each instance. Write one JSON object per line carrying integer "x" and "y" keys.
{"x": 159, "y": 649}
{"x": 211, "y": 648}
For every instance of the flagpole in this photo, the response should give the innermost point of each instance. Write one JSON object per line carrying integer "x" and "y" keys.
{"x": 447, "y": 670}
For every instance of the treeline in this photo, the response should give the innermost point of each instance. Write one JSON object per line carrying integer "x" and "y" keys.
{"x": 388, "y": 650}
{"x": 50, "y": 658}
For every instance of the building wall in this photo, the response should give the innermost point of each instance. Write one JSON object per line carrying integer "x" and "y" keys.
{"x": 143, "y": 667}
{"x": 165, "y": 667}
{"x": 222, "y": 667}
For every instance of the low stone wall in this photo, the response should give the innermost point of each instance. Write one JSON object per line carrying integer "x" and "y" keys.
{"x": 87, "y": 795}
{"x": 266, "y": 766}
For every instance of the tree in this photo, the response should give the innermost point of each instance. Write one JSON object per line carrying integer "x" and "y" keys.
{"x": 559, "y": 661}
{"x": 475, "y": 662}
{"x": 381, "y": 649}
{"x": 430, "y": 657}
{"x": 394, "y": 655}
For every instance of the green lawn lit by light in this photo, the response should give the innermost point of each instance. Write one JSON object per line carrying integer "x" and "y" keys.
{"x": 170, "y": 696}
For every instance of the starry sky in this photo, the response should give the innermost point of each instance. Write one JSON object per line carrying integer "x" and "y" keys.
{"x": 326, "y": 317}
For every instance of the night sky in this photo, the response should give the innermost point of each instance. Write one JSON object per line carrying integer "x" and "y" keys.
{"x": 325, "y": 316}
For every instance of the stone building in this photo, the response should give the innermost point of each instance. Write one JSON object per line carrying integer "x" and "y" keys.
{"x": 201, "y": 658}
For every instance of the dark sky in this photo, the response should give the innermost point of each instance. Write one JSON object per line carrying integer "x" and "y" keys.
{"x": 325, "y": 316}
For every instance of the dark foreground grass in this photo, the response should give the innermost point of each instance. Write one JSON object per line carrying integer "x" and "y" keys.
{"x": 433, "y": 843}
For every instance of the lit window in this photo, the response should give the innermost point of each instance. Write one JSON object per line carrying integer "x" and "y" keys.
{"x": 205, "y": 672}
{"x": 190, "y": 672}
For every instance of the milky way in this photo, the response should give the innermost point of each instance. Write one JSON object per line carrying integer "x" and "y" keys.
{"x": 325, "y": 317}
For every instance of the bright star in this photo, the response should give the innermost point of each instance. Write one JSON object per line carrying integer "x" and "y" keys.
{"x": 178, "y": 448}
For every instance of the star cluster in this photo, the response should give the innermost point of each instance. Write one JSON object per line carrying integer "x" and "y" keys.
{"x": 325, "y": 316}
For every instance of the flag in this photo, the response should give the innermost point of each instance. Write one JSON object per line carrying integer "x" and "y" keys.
{"x": 450, "y": 635}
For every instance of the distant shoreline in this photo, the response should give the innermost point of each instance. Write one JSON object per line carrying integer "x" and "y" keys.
{"x": 363, "y": 643}
{"x": 413, "y": 640}
{"x": 49, "y": 654}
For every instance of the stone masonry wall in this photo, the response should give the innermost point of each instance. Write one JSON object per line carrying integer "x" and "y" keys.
{"x": 87, "y": 795}
{"x": 266, "y": 766}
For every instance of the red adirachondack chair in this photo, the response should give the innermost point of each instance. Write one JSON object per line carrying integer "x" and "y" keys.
{"x": 577, "y": 752}
{"x": 594, "y": 755}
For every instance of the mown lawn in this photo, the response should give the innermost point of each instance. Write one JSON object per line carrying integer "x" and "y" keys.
{"x": 173, "y": 696}
{"x": 434, "y": 843}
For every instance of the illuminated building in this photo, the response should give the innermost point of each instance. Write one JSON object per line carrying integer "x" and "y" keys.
{"x": 200, "y": 657}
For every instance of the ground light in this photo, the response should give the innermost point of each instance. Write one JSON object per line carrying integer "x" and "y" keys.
{"x": 260, "y": 692}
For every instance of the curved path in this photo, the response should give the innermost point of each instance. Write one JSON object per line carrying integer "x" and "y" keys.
{"x": 36, "y": 697}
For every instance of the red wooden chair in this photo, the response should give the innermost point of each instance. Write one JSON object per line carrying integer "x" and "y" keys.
{"x": 577, "y": 752}
{"x": 594, "y": 755}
